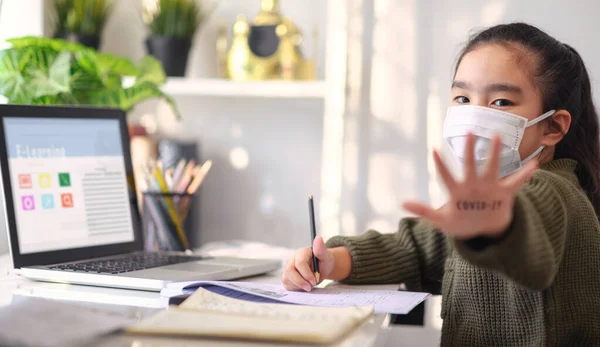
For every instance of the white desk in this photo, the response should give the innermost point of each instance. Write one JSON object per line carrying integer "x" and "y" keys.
{"x": 141, "y": 304}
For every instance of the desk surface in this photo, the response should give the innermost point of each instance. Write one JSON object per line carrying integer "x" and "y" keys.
{"x": 141, "y": 304}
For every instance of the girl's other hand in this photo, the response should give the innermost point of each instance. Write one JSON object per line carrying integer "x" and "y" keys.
{"x": 480, "y": 205}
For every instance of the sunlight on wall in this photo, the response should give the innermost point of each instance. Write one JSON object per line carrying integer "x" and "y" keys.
{"x": 437, "y": 195}
{"x": 348, "y": 223}
{"x": 239, "y": 158}
{"x": 355, "y": 71}
{"x": 355, "y": 60}
{"x": 381, "y": 225}
{"x": 351, "y": 154}
{"x": 435, "y": 119}
{"x": 393, "y": 93}
{"x": 333, "y": 119}
{"x": 389, "y": 174}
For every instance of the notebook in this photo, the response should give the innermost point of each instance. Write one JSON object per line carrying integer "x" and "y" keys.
{"x": 206, "y": 314}
{"x": 384, "y": 301}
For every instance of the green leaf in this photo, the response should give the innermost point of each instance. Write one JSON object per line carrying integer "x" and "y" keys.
{"x": 58, "y": 99}
{"x": 150, "y": 70}
{"x": 126, "y": 99}
{"x": 87, "y": 17}
{"x": 58, "y": 15}
{"x": 13, "y": 84}
{"x": 106, "y": 67}
{"x": 109, "y": 63}
{"x": 178, "y": 18}
{"x": 53, "y": 81}
{"x": 57, "y": 45}
{"x": 37, "y": 70}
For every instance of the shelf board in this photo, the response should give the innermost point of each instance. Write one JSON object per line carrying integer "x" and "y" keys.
{"x": 181, "y": 86}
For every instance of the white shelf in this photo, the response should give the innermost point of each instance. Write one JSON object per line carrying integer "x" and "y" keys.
{"x": 179, "y": 86}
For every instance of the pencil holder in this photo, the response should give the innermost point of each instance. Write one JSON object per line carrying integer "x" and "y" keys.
{"x": 163, "y": 220}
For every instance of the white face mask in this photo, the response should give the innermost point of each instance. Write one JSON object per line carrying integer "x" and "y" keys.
{"x": 484, "y": 123}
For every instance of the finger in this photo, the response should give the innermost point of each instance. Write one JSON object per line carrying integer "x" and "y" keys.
{"x": 424, "y": 211}
{"x": 287, "y": 284}
{"x": 320, "y": 250}
{"x": 294, "y": 277}
{"x": 445, "y": 174}
{"x": 298, "y": 280}
{"x": 517, "y": 179}
{"x": 303, "y": 267}
{"x": 470, "y": 171}
{"x": 492, "y": 169}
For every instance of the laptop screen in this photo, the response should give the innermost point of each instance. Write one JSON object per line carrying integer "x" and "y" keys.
{"x": 69, "y": 183}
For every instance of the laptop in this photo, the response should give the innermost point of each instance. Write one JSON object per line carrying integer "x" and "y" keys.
{"x": 71, "y": 209}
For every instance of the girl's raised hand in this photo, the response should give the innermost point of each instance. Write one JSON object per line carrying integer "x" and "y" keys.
{"x": 480, "y": 205}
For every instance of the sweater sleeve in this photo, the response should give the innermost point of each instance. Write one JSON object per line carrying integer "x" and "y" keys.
{"x": 531, "y": 249}
{"x": 414, "y": 255}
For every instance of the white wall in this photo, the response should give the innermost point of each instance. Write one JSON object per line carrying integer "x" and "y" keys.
{"x": 21, "y": 18}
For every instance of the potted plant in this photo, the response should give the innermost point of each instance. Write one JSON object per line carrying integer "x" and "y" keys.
{"x": 39, "y": 70}
{"x": 172, "y": 25}
{"x": 81, "y": 21}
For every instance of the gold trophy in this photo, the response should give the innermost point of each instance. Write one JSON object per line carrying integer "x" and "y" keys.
{"x": 267, "y": 48}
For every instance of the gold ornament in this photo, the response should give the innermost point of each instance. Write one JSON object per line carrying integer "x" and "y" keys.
{"x": 267, "y": 48}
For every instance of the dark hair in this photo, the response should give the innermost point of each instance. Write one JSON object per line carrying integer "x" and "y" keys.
{"x": 561, "y": 75}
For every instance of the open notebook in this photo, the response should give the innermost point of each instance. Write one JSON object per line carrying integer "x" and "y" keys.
{"x": 212, "y": 315}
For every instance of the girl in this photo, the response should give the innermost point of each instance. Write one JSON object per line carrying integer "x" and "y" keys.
{"x": 516, "y": 248}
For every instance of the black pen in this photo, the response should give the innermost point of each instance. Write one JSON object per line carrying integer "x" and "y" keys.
{"x": 313, "y": 234}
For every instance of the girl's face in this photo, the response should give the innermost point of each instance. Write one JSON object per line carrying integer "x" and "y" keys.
{"x": 497, "y": 77}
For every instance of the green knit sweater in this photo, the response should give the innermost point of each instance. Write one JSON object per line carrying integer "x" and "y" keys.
{"x": 538, "y": 286}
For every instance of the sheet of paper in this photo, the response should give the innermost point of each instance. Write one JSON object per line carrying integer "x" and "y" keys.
{"x": 384, "y": 301}
{"x": 44, "y": 323}
{"x": 236, "y": 294}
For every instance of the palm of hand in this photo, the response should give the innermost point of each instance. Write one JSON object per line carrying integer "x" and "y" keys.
{"x": 480, "y": 205}
{"x": 483, "y": 207}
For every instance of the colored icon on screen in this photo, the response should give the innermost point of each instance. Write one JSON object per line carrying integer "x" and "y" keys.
{"x": 64, "y": 179}
{"x": 45, "y": 180}
{"x": 47, "y": 201}
{"x": 67, "y": 200}
{"x": 25, "y": 181}
{"x": 28, "y": 202}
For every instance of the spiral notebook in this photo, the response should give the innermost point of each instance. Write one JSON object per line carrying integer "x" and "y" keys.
{"x": 211, "y": 315}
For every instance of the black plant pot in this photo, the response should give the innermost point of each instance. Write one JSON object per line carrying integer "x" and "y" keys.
{"x": 89, "y": 41}
{"x": 171, "y": 51}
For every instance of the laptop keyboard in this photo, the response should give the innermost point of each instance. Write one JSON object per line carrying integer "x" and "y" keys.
{"x": 127, "y": 263}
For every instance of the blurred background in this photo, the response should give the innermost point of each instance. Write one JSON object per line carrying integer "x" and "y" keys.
{"x": 350, "y": 114}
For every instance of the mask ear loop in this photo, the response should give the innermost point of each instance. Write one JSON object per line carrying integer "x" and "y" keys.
{"x": 540, "y": 118}
{"x": 534, "y": 122}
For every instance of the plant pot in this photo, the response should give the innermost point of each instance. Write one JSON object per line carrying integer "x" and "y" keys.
{"x": 89, "y": 41}
{"x": 172, "y": 52}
